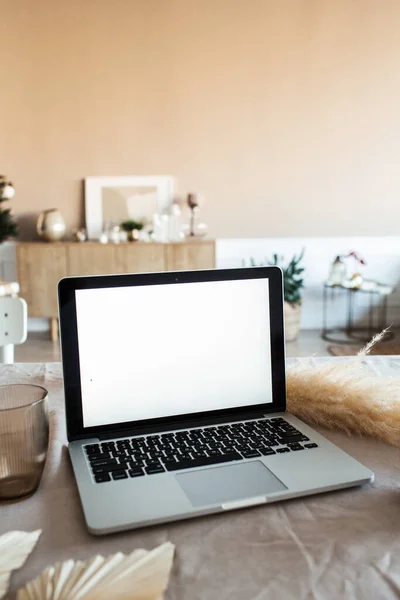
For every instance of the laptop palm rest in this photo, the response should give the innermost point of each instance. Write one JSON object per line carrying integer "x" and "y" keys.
{"x": 219, "y": 485}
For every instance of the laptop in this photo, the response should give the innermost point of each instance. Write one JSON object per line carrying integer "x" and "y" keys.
{"x": 175, "y": 398}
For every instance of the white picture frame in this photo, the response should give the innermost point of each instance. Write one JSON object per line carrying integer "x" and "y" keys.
{"x": 94, "y": 187}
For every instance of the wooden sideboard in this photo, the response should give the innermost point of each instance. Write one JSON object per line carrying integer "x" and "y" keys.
{"x": 41, "y": 265}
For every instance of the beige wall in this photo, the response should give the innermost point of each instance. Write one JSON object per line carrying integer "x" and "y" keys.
{"x": 285, "y": 114}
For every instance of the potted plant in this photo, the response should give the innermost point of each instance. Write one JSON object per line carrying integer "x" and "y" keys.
{"x": 132, "y": 228}
{"x": 292, "y": 286}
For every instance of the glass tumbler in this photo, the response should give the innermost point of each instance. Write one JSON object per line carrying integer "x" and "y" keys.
{"x": 24, "y": 438}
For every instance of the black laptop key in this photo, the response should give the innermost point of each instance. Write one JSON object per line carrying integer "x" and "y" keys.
{"x": 93, "y": 449}
{"x": 166, "y": 463}
{"x": 184, "y": 455}
{"x": 256, "y": 443}
{"x": 106, "y": 468}
{"x": 228, "y": 449}
{"x": 228, "y": 452}
{"x": 102, "y": 478}
{"x": 202, "y": 462}
{"x": 268, "y": 442}
{"x": 287, "y": 439}
{"x": 242, "y": 448}
{"x": 283, "y": 450}
{"x": 167, "y": 456}
{"x": 266, "y": 451}
{"x": 139, "y": 455}
{"x": 134, "y": 464}
{"x": 124, "y": 446}
{"x": 156, "y": 454}
{"x": 135, "y": 472}
{"x": 152, "y": 461}
{"x": 107, "y": 446}
{"x": 275, "y": 425}
{"x": 296, "y": 448}
{"x": 119, "y": 475}
{"x": 309, "y": 446}
{"x": 152, "y": 469}
{"x": 103, "y": 462}
{"x": 117, "y": 453}
{"x": 250, "y": 453}
{"x": 214, "y": 452}
{"x": 101, "y": 456}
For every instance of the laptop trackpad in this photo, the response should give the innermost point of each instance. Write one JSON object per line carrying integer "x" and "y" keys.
{"x": 228, "y": 483}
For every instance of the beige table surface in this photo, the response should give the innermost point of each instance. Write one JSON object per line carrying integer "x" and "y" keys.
{"x": 337, "y": 545}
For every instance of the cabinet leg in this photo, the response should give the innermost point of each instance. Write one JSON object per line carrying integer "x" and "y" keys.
{"x": 54, "y": 329}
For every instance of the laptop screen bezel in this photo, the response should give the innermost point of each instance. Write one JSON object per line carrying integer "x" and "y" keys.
{"x": 70, "y": 350}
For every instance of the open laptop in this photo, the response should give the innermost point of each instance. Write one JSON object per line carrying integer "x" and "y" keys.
{"x": 175, "y": 398}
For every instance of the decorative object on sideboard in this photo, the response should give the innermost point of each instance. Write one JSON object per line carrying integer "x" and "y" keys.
{"x": 175, "y": 229}
{"x": 118, "y": 199}
{"x": 9, "y": 288}
{"x": 112, "y": 233}
{"x": 160, "y": 228}
{"x": 80, "y": 235}
{"x": 194, "y": 229}
{"x": 293, "y": 283}
{"x": 50, "y": 225}
{"x": 132, "y": 229}
{"x": 116, "y": 234}
{"x": 8, "y": 227}
{"x": 193, "y": 202}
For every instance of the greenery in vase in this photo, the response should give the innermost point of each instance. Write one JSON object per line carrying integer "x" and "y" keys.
{"x": 130, "y": 225}
{"x": 8, "y": 227}
{"x": 293, "y": 281}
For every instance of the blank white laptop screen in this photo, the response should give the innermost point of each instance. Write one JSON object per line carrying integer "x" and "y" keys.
{"x": 163, "y": 350}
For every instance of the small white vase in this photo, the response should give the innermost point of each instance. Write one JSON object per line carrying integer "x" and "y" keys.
{"x": 50, "y": 225}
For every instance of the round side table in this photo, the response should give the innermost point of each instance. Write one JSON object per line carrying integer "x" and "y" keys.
{"x": 377, "y": 313}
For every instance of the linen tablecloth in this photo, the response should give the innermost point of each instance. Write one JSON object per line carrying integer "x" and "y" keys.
{"x": 344, "y": 544}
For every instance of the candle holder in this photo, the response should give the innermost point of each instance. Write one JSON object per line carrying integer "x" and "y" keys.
{"x": 193, "y": 202}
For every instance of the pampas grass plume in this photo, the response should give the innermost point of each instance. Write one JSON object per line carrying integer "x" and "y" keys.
{"x": 345, "y": 395}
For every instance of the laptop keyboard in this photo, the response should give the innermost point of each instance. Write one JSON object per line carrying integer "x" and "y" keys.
{"x": 152, "y": 454}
